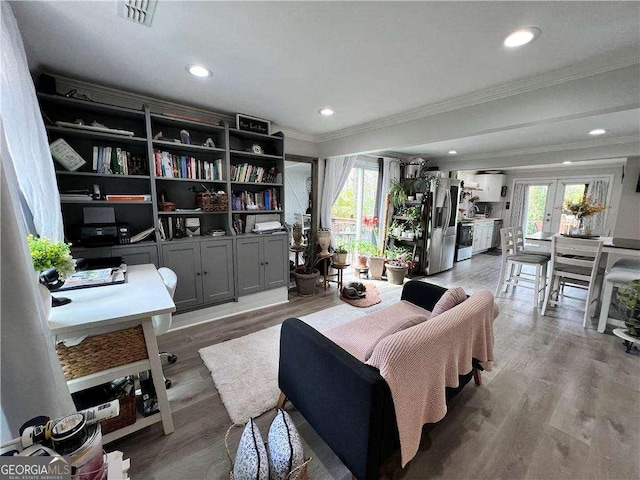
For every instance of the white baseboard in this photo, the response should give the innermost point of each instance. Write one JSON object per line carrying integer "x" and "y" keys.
{"x": 248, "y": 303}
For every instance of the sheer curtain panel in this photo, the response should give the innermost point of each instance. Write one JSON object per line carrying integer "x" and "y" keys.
{"x": 336, "y": 172}
{"x": 597, "y": 191}
{"x": 518, "y": 205}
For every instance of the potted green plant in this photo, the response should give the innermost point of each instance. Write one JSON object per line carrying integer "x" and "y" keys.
{"x": 53, "y": 262}
{"x": 628, "y": 303}
{"x": 363, "y": 250}
{"x": 340, "y": 254}
{"x": 398, "y": 264}
{"x": 306, "y": 275}
{"x": 397, "y": 195}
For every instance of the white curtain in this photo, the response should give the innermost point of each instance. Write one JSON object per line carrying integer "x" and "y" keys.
{"x": 597, "y": 191}
{"x": 336, "y": 173}
{"x": 390, "y": 174}
{"x": 25, "y": 135}
{"x": 517, "y": 205}
{"x": 31, "y": 379}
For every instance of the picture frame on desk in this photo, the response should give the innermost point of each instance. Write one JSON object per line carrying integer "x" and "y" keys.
{"x": 253, "y": 124}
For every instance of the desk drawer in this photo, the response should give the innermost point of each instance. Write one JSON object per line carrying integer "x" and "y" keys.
{"x": 101, "y": 352}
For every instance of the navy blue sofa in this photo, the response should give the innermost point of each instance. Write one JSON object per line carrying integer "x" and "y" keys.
{"x": 347, "y": 402}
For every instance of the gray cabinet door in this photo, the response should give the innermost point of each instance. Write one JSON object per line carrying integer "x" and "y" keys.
{"x": 276, "y": 261}
{"x": 217, "y": 270}
{"x": 250, "y": 265}
{"x": 137, "y": 255}
{"x": 184, "y": 259}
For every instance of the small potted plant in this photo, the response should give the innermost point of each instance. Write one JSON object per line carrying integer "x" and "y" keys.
{"x": 363, "y": 251}
{"x": 53, "y": 262}
{"x": 397, "y": 195}
{"x": 398, "y": 264}
{"x": 340, "y": 255}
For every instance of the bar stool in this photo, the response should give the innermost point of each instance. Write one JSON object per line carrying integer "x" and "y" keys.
{"x": 623, "y": 271}
{"x": 513, "y": 259}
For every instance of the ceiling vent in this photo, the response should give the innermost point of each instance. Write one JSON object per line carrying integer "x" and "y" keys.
{"x": 138, "y": 11}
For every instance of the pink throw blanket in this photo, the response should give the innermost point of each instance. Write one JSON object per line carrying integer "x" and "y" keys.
{"x": 418, "y": 363}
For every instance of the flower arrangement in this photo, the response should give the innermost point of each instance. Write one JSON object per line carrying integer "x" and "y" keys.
{"x": 46, "y": 253}
{"x": 582, "y": 208}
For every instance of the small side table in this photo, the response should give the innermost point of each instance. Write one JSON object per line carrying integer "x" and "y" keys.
{"x": 340, "y": 268}
{"x": 629, "y": 340}
{"x": 325, "y": 268}
{"x": 297, "y": 251}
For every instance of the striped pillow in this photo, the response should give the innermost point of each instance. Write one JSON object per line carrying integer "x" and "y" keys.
{"x": 450, "y": 299}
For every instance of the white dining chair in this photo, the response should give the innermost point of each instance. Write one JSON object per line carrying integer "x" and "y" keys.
{"x": 162, "y": 323}
{"x": 514, "y": 258}
{"x": 574, "y": 263}
{"x": 623, "y": 271}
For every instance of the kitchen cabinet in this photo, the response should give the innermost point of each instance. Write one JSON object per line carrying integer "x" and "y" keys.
{"x": 263, "y": 262}
{"x": 490, "y": 185}
{"x": 204, "y": 270}
{"x": 482, "y": 236}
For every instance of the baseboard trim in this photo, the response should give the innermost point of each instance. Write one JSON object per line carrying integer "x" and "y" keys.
{"x": 248, "y": 303}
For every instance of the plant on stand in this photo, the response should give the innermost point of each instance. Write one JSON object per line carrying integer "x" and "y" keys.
{"x": 397, "y": 195}
{"x": 53, "y": 262}
{"x": 340, "y": 255}
{"x": 398, "y": 264}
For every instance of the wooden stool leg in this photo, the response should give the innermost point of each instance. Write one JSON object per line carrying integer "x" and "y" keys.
{"x": 477, "y": 376}
{"x": 282, "y": 400}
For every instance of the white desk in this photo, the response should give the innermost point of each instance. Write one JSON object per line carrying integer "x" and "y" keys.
{"x": 98, "y": 310}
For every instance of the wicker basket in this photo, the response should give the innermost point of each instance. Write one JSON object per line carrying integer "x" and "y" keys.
{"x": 166, "y": 206}
{"x": 101, "y": 352}
{"x": 126, "y": 417}
{"x": 298, "y": 473}
{"x": 210, "y": 202}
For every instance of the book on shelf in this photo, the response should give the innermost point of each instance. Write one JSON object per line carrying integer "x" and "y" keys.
{"x": 66, "y": 155}
{"x": 75, "y": 197}
{"x": 110, "y": 160}
{"x": 128, "y": 198}
{"x": 169, "y": 165}
{"x": 256, "y": 201}
{"x": 250, "y": 173}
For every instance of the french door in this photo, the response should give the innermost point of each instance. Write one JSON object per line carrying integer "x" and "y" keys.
{"x": 544, "y": 199}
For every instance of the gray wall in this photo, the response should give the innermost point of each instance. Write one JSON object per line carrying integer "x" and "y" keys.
{"x": 628, "y": 222}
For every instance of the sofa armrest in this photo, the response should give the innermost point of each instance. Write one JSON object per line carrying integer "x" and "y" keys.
{"x": 422, "y": 294}
{"x": 347, "y": 402}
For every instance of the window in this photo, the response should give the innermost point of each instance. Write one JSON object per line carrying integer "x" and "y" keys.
{"x": 354, "y": 214}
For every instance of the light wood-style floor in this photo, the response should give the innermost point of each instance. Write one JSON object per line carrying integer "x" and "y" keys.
{"x": 562, "y": 401}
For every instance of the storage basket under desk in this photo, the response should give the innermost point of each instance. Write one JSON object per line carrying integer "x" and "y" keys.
{"x": 102, "y": 352}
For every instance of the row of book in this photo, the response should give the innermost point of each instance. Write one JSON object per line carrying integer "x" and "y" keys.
{"x": 251, "y": 201}
{"x": 247, "y": 172}
{"x": 169, "y": 165}
{"x": 112, "y": 160}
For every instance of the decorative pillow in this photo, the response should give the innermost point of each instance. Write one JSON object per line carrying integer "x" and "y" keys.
{"x": 251, "y": 459}
{"x": 285, "y": 447}
{"x": 450, "y": 299}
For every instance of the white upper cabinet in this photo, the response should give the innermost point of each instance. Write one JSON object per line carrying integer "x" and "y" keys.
{"x": 490, "y": 185}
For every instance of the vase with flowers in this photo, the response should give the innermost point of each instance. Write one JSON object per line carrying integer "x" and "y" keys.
{"x": 53, "y": 262}
{"x": 580, "y": 210}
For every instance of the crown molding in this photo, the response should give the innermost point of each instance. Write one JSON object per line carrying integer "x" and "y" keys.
{"x": 623, "y": 59}
{"x": 600, "y": 142}
{"x": 113, "y": 96}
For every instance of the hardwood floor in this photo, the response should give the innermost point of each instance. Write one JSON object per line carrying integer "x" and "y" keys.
{"x": 561, "y": 402}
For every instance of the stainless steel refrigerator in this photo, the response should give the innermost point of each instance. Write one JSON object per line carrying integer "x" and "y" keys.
{"x": 441, "y": 211}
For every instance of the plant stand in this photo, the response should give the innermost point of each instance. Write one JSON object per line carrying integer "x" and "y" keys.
{"x": 340, "y": 267}
{"x": 629, "y": 340}
{"x": 396, "y": 274}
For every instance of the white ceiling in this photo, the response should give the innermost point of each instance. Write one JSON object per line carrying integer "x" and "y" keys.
{"x": 367, "y": 60}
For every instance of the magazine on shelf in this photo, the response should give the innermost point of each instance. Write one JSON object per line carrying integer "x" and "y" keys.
{"x": 95, "y": 278}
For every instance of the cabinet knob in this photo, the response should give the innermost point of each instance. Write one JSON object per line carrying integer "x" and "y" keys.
{"x": 266, "y": 263}
{"x": 204, "y": 273}
{"x": 198, "y": 273}
{"x": 261, "y": 263}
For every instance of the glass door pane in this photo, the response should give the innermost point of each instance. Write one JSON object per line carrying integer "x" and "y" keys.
{"x": 567, "y": 192}
{"x": 535, "y": 208}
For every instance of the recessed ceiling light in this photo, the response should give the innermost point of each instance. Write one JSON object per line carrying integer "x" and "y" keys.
{"x": 199, "y": 71}
{"x": 452, "y": 152}
{"x": 567, "y": 162}
{"x": 598, "y": 131}
{"x": 522, "y": 36}
{"x": 326, "y": 111}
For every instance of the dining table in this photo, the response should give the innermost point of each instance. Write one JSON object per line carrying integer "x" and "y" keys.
{"x": 613, "y": 246}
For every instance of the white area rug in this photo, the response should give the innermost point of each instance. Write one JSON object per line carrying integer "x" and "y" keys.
{"x": 245, "y": 369}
